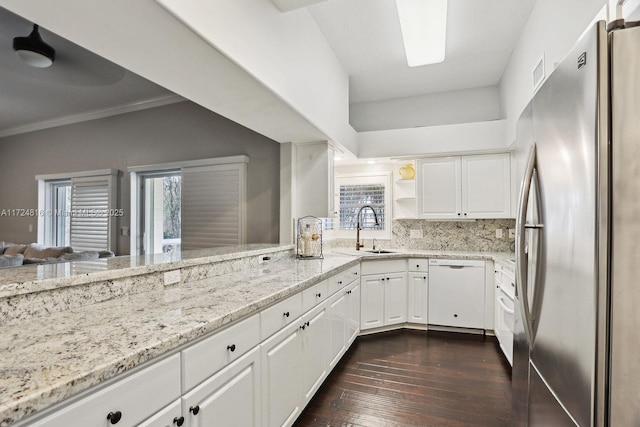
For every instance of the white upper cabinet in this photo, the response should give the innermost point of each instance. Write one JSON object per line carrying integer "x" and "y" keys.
{"x": 464, "y": 187}
{"x": 439, "y": 188}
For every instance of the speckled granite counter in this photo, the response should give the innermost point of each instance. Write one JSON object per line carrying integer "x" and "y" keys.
{"x": 46, "y": 359}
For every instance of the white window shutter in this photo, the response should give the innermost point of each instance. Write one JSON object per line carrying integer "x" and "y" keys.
{"x": 213, "y": 206}
{"x": 93, "y": 213}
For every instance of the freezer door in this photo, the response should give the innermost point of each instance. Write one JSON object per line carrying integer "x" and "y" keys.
{"x": 563, "y": 345}
{"x": 625, "y": 268}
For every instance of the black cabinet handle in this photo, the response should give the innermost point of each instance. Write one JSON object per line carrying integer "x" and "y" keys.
{"x": 458, "y": 213}
{"x": 303, "y": 326}
{"x": 356, "y": 273}
{"x": 319, "y": 295}
{"x": 455, "y": 315}
{"x": 178, "y": 421}
{"x": 231, "y": 348}
{"x": 194, "y": 410}
{"x": 425, "y": 277}
{"x": 285, "y": 314}
{"x": 417, "y": 265}
{"x": 114, "y": 417}
{"x": 465, "y": 214}
{"x": 348, "y": 292}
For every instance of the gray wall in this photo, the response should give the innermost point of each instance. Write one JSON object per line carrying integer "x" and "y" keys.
{"x": 177, "y": 132}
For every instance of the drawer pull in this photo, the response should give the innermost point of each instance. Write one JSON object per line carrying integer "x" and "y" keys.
{"x": 339, "y": 282}
{"x": 348, "y": 292}
{"x": 178, "y": 421}
{"x": 319, "y": 295}
{"x": 285, "y": 314}
{"x": 455, "y": 315}
{"x": 194, "y": 410}
{"x": 231, "y": 348}
{"x": 424, "y": 277}
{"x": 304, "y": 325}
{"x": 417, "y": 265}
{"x": 114, "y": 417}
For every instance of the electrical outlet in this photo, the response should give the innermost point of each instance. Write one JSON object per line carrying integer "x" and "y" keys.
{"x": 263, "y": 258}
{"x": 512, "y": 233}
{"x": 498, "y": 233}
{"x": 416, "y": 234}
{"x": 171, "y": 277}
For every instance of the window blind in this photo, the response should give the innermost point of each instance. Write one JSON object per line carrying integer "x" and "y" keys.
{"x": 213, "y": 206}
{"x": 92, "y": 213}
{"x": 353, "y": 197}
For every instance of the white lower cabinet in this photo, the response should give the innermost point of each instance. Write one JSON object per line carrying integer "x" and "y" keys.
{"x": 128, "y": 402}
{"x": 337, "y": 309}
{"x": 281, "y": 367}
{"x": 314, "y": 363}
{"x": 417, "y": 300}
{"x": 231, "y": 397}
{"x": 353, "y": 312}
{"x": 372, "y": 301}
{"x": 383, "y": 300}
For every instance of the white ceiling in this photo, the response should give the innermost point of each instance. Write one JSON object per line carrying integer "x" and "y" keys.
{"x": 366, "y": 37}
{"x": 364, "y": 34}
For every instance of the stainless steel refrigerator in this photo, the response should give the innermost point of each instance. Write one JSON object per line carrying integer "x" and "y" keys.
{"x": 577, "y": 328}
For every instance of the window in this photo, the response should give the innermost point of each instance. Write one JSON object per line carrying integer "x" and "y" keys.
{"x": 78, "y": 210}
{"x": 356, "y": 191}
{"x": 161, "y": 212}
{"x": 188, "y": 205}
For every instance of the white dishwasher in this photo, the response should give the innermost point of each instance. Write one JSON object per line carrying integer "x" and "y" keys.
{"x": 456, "y": 293}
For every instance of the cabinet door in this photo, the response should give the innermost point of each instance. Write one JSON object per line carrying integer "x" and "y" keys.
{"x": 417, "y": 298}
{"x": 231, "y": 397}
{"x": 395, "y": 298}
{"x": 337, "y": 318}
{"x": 314, "y": 361}
{"x": 353, "y": 313}
{"x": 486, "y": 186}
{"x": 372, "y": 301}
{"x": 281, "y": 372}
{"x": 439, "y": 188}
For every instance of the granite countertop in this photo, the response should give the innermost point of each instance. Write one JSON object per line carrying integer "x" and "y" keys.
{"x": 31, "y": 278}
{"x": 90, "y": 344}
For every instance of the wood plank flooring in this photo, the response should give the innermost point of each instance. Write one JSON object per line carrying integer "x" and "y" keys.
{"x": 415, "y": 378}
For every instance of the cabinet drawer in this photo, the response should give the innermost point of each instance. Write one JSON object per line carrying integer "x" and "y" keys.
{"x": 135, "y": 398}
{"x": 279, "y": 315}
{"x": 418, "y": 264}
{"x": 342, "y": 279}
{"x": 314, "y": 295}
{"x": 203, "y": 359}
{"x": 383, "y": 267}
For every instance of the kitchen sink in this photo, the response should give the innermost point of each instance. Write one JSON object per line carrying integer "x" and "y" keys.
{"x": 380, "y": 252}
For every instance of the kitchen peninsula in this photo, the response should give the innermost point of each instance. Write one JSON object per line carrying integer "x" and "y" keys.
{"x": 86, "y": 330}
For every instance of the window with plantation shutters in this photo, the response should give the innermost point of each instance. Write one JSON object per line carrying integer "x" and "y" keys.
{"x": 356, "y": 191}
{"x": 213, "y": 206}
{"x": 79, "y": 210}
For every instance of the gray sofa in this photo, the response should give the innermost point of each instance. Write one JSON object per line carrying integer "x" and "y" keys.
{"x": 15, "y": 254}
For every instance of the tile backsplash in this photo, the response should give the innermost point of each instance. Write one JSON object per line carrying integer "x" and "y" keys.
{"x": 478, "y": 235}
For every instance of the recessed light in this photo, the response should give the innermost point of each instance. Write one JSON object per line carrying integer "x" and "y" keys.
{"x": 424, "y": 30}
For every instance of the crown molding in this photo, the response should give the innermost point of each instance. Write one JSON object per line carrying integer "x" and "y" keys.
{"x": 93, "y": 115}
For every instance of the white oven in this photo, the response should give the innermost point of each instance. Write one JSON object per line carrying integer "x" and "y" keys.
{"x": 504, "y": 314}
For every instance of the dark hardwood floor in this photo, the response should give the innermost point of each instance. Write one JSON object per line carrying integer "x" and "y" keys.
{"x": 415, "y": 378}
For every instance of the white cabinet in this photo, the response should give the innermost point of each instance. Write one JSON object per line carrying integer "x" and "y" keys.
{"x": 231, "y": 397}
{"x": 130, "y": 400}
{"x": 353, "y": 312}
{"x": 395, "y": 298}
{"x": 372, "y": 301}
{"x": 314, "y": 361}
{"x": 281, "y": 368}
{"x": 383, "y": 293}
{"x": 417, "y": 298}
{"x": 456, "y": 293}
{"x": 477, "y": 186}
{"x": 337, "y": 318}
{"x": 504, "y": 310}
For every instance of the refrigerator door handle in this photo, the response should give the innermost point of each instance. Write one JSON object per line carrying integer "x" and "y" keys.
{"x": 521, "y": 271}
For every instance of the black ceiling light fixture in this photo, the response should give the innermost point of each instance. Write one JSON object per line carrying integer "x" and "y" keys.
{"x": 33, "y": 50}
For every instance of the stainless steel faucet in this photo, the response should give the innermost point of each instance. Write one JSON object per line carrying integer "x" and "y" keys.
{"x": 375, "y": 216}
